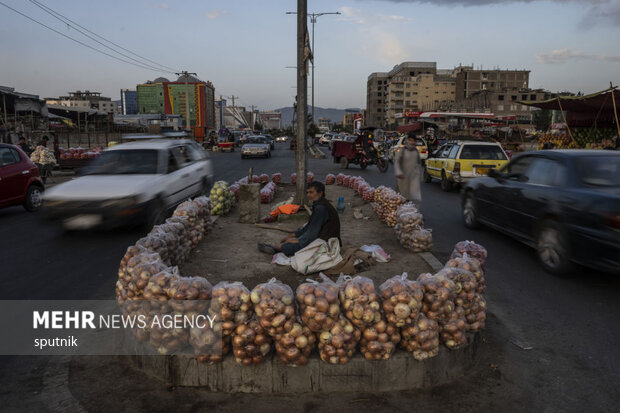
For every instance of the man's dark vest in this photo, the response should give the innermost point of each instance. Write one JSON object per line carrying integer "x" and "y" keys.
{"x": 331, "y": 229}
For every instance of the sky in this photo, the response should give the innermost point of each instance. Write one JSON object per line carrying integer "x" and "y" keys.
{"x": 244, "y": 47}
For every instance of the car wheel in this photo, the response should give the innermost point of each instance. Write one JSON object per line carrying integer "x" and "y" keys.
{"x": 344, "y": 162}
{"x": 33, "y": 198}
{"x": 446, "y": 185}
{"x": 470, "y": 211}
{"x": 427, "y": 177}
{"x": 552, "y": 248}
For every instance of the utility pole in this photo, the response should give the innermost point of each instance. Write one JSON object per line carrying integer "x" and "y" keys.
{"x": 233, "y": 99}
{"x": 313, "y": 18}
{"x": 302, "y": 102}
{"x": 186, "y": 74}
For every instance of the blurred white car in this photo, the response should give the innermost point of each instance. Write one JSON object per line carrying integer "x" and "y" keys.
{"x": 256, "y": 146}
{"x": 130, "y": 183}
{"x": 281, "y": 138}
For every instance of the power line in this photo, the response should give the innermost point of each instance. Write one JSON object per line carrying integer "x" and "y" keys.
{"x": 70, "y": 23}
{"x": 81, "y": 43}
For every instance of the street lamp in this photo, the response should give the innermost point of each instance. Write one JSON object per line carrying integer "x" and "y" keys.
{"x": 313, "y": 17}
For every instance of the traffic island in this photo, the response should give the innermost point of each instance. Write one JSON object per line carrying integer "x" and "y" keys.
{"x": 400, "y": 372}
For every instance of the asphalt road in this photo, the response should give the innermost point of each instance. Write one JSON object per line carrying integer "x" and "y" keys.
{"x": 570, "y": 324}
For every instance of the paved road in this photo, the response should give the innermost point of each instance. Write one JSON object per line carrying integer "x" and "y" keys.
{"x": 571, "y": 324}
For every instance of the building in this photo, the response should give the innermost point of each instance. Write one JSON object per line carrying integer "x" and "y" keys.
{"x": 348, "y": 120}
{"x": 236, "y": 117}
{"x": 376, "y": 92}
{"x": 271, "y": 120}
{"x": 470, "y": 80}
{"x": 162, "y": 96}
{"x": 324, "y": 124}
{"x": 85, "y": 100}
{"x": 129, "y": 102}
{"x": 419, "y": 86}
{"x": 504, "y": 103}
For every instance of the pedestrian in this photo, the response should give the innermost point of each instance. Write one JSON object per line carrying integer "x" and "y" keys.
{"x": 43, "y": 141}
{"x": 24, "y": 146}
{"x": 407, "y": 166}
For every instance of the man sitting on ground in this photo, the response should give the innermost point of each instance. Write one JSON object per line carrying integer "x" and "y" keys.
{"x": 324, "y": 224}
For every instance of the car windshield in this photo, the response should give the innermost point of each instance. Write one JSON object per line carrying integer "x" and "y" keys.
{"x": 255, "y": 139}
{"x": 124, "y": 162}
{"x": 490, "y": 152}
{"x": 599, "y": 170}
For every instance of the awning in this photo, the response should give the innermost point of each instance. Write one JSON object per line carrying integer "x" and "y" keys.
{"x": 469, "y": 115}
{"x": 599, "y": 102}
{"x": 412, "y": 127}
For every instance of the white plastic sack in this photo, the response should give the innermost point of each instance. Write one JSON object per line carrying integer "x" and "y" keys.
{"x": 377, "y": 252}
{"x": 281, "y": 259}
{"x": 317, "y": 256}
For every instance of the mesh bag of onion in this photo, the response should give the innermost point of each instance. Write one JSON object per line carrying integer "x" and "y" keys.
{"x": 169, "y": 235}
{"x": 268, "y": 193}
{"x": 293, "y": 178}
{"x": 467, "y": 263}
{"x": 181, "y": 226}
{"x": 276, "y": 178}
{"x": 274, "y": 306}
{"x": 439, "y": 295}
{"x": 190, "y": 294}
{"x": 167, "y": 339}
{"x": 401, "y": 300}
{"x": 421, "y": 339}
{"x": 263, "y": 178}
{"x": 155, "y": 242}
{"x": 196, "y": 223}
{"x": 340, "y": 179}
{"x": 330, "y": 179}
{"x": 369, "y": 194}
{"x": 476, "y": 315}
{"x": 359, "y": 300}
{"x": 472, "y": 249}
{"x": 319, "y": 305}
{"x": 337, "y": 345}
{"x": 250, "y": 343}
{"x": 452, "y": 331}
{"x": 294, "y": 347}
{"x": 379, "y": 340}
{"x": 231, "y": 305}
{"x": 209, "y": 346}
{"x": 141, "y": 268}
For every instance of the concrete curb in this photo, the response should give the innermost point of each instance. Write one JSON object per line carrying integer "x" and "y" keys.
{"x": 55, "y": 393}
{"x": 401, "y": 372}
{"x": 432, "y": 261}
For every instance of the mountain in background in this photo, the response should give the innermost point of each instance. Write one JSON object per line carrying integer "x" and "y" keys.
{"x": 334, "y": 115}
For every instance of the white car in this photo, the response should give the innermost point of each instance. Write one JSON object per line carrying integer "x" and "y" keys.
{"x": 256, "y": 146}
{"x": 325, "y": 139}
{"x": 281, "y": 138}
{"x": 419, "y": 142}
{"x": 130, "y": 183}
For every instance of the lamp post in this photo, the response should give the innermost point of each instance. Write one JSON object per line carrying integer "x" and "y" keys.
{"x": 313, "y": 18}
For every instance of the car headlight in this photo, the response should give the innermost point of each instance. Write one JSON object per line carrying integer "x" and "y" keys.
{"x": 120, "y": 202}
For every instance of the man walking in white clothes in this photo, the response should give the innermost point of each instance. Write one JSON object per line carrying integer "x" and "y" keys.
{"x": 407, "y": 166}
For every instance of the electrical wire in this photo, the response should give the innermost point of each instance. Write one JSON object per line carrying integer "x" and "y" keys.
{"x": 71, "y": 23}
{"x": 82, "y": 43}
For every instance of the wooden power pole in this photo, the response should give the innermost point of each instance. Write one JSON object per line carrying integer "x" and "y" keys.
{"x": 302, "y": 102}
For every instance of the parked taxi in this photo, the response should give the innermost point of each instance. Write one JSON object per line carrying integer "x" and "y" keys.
{"x": 457, "y": 162}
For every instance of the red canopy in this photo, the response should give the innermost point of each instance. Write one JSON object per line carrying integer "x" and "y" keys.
{"x": 412, "y": 127}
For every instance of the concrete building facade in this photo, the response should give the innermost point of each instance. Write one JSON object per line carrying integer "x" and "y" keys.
{"x": 85, "y": 100}
{"x": 376, "y": 93}
{"x": 271, "y": 120}
{"x": 503, "y": 103}
{"x": 129, "y": 102}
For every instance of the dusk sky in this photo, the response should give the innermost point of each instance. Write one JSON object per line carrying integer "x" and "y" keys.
{"x": 244, "y": 46}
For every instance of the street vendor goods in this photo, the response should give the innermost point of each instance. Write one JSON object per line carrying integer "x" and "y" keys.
{"x": 208, "y": 346}
{"x": 42, "y": 155}
{"x": 337, "y": 345}
{"x": 472, "y": 249}
{"x": 268, "y": 193}
{"x": 467, "y": 263}
{"x": 452, "y": 331}
{"x": 359, "y": 300}
{"x": 294, "y": 347}
{"x": 222, "y": 199}
{"x": 250, "y": 343}
{"x": 232, "y": 305}
{"x": 401, "y": 300}
{"x": 439, "y": 295}
{"x": 330, "y": 179}
{"x": 421, "y": 339}
{"x": 274, "y": 306}
{"x": 319, "y": 305}
{"x": 379, "y": 340}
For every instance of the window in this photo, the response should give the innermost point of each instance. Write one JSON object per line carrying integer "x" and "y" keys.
{"x": 379, "y": 94}
{"x": 500, "y": 107}
{"x": 411, "y": 73}
{"x": 379, "y": 101}
{"x": 489, "y": 152}
{"x": 379, "y": 110}
{"x": 195, "y": 152}
{"x": 181, "y": 156}
{"x": 513, "y": 97}
{"x": 523, "y": 97}
{"x": 518, "y": 166}
{"x": 453, "y": 152}
{"x": 444, "y": 151}
{"x": 532, "y": 97}
{"x": 408, "y": 94}
{"x": 8, "y": 156}
{"x": 543, "y": 171}
{"x": 500, "y": 97}
{"x": 599, "y": 170}
{"x": 415, "y": 93}
{"x": 380, "y": 82}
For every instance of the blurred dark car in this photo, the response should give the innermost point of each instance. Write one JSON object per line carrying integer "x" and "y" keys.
{"x": 563, "y": 203}
{"x": 20, "y": 183}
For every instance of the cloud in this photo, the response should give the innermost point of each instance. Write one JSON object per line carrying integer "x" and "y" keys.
{"x": 597, "y": 12}
{"x": 357, "y": 16}
{"x": 214, "y": 14}
{"x": 161, "y": 6}
{"x": 559, "y": 56}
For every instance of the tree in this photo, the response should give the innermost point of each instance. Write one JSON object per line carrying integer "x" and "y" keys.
{"x": 258, "y": 126}
{"x": 542, "y": 119}
{"x": 313, "y": 130}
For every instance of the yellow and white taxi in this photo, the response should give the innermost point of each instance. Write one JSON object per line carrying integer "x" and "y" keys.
{"x": 456, "y": 162}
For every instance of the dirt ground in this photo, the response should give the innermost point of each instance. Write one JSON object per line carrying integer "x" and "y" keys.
{"x": 230, "y": 251}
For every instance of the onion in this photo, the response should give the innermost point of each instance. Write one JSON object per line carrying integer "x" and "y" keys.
{"x": 337, "y": 346}
{"x": 274, "y": 306}
{"x": 360, "y": 301}
{"x": 377, "y": 342}
{"x": 231, "y": 304}
{"x": 295, "y": 346}
{"x": 250, "y": 343}
{"x": 319, "y": 304}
